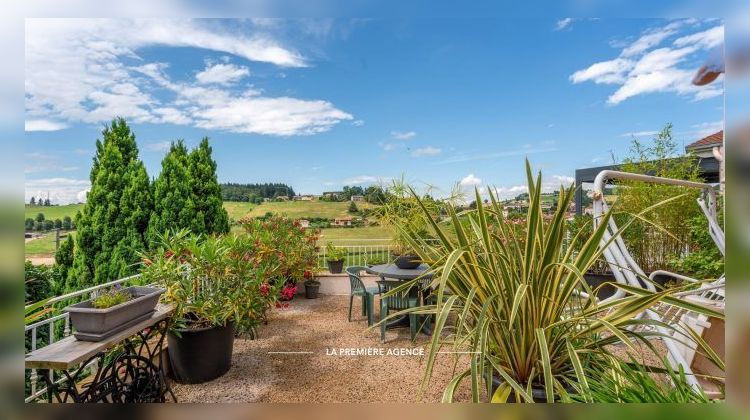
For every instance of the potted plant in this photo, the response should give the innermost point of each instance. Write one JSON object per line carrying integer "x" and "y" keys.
{"x": 335, "y": 258}
{"x": 112, "y": 310}
{"x": 288, "y": 248}
{"x": 405, "y": 258}
{"x": 406, "y": 216}
{"x": 311, "y": 285}
{"x": 516, "y": 306}
{"x": 218, "y": 286}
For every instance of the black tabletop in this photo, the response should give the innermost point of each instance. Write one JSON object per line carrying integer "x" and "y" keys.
{"x": 390, "y": 271}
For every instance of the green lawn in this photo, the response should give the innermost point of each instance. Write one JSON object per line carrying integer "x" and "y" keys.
{"x": 352, "y": 235}
{"x": 302, "y": 209}
{"x": 53, "y": 212}
{"x": 238, "y": 209}
{"x": 45, "y": 246}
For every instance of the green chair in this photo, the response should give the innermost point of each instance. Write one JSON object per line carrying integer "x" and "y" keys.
{"x": 397, "y": 302}
{"x": 358, "y": 289}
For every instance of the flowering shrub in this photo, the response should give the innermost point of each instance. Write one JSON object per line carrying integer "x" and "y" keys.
{"x": 212, "y": 280}
{"x": 283, "y": 245}
{"x": 288, "y": 291}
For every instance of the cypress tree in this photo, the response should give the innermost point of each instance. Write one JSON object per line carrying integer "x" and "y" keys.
{"x": 173, "y": 197}
{"x": 111, "y": 226}
{"x": 210, "y": 215}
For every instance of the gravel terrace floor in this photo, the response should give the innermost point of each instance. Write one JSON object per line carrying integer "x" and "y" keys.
{"x": 318, "y": 326}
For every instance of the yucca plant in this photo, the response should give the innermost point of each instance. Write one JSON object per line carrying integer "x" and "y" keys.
{"x": 518, "y": 304}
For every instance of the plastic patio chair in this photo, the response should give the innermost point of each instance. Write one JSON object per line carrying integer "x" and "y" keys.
{"x": 397, "y": 302}
{"x": 358, "y": 289}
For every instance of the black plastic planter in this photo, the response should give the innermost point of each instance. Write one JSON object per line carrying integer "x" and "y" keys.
{"x": 407, "y": 261}
{"x": 336, "y": 267}
{"x": 311, "y": 289}
{"x": 200, "y": 355}
{"x": 595, "y": 280}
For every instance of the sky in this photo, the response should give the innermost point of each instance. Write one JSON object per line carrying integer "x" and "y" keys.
{"x": 324, "y": 103}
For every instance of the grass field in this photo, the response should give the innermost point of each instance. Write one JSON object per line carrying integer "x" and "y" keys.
{"x": 53, "y": 212}
{"x": 45, "y": 246}
{"x": 238, "y": 209}
{"x": 302, "y": 209}
{"x": 353, "y": 236}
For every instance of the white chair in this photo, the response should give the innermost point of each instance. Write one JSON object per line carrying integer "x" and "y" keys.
{"x": 626, "y": 271}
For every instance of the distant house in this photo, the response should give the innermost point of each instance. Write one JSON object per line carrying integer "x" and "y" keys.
{"x": 343, "y": 221}
{"x": 282, "y": 198}
{"x": 332, "y": 195}
{"x": 358, "y": 198}
{"x": 704, "y": 147}
{"x": 306, "y": 197}
{"x": 304, "y": 223}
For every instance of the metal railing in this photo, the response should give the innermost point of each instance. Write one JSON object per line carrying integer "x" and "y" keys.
{"x": 51, "y": 326}
{"x": 358, "y": 251}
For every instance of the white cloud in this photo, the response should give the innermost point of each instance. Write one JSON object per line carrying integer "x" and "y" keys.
{"x": 704, "y": 129}
{"x": 42, "y": 162}
{"x": 464, "y": 157}
{"x": 43, "y": 125}
{"x": 470, "y": 181}
{"x": 604, "y": 72}
{"x": 60, "y": 190}
{"x": 707, "y": 39}
{"x": 649, "y": 40}
{"x": 76, "y": 72}
{"x": 640, "y": 69}
{"x": 510, "y": 191}
{"x": 426, "y": 151}
{"x": 549, "y": 184}
{"x": 555, "y": 181}
{"x": 644, "y": 133}
{"x": 358, "y": 123}
{"x": 390, "y": 146}
{"x": 403, "y": 135}
{"x": 222, "y": 74}
{"x": 283, "y": 116}
{"x": 563, "y": 23}
{"x": 161, "y": 146}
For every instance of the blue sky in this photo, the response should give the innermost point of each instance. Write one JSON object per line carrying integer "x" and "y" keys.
{"x": 324, "y": 103}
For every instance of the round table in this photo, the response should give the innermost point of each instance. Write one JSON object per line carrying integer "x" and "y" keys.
{"x": 391, "y": 271}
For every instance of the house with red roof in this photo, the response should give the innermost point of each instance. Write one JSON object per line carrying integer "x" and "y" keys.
{"x": 704, "y": 147}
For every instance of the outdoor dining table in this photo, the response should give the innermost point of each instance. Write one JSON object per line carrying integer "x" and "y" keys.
{"x": 391, "y": 271}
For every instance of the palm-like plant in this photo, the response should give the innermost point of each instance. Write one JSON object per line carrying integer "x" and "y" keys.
{"x": 521, "y": 307}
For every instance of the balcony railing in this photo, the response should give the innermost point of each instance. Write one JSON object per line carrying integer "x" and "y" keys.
{"x": 57, "y": 326}
{"x": 359, "y": 251}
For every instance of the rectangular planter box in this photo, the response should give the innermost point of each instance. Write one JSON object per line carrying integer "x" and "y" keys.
{"x": 93, "y": 324}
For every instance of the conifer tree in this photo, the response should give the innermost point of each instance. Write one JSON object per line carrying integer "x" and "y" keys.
{"x": 172, "y": 194}
{"x": 210, "y": 215}
{"x": 111, "y": 227}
